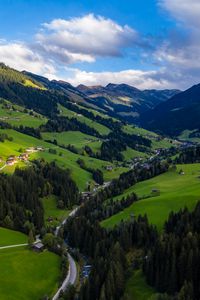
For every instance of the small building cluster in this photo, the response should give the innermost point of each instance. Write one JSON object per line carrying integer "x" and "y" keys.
{"x": 12, "y": 159}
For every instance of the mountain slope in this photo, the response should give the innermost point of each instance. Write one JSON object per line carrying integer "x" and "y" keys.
{"x": 180, "y": 112}
{"x": 124, "y": 100}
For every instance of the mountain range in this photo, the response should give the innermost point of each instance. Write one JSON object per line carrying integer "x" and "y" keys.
{"x": 175, "y": 115}
{"x": 124, "y": 100}
{"x": 169, "y": 112}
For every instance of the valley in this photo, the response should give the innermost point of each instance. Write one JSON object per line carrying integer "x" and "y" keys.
{"x": 64, "y": 150}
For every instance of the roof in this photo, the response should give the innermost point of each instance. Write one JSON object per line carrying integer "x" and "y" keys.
{"x": 39, "y": 245}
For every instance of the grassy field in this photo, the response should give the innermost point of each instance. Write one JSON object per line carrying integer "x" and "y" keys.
{"x": 131, "y": 153}
{"x": 18, "y": 117}
{"x": 64, "y": 158}
{"x": 27, "y": 275}
{"x": 51, "y": 210}
{"x": 137, "y": 288}
{"x": 176, "y": 191}
{"x": 75, "y": 138}
{"x": 11, "y": 237}
{"x": 156, "y": 143}
{"x": 138, "y": 130}
{"x": 70, "y": 114}
{"x": 30, "y": 83}
{"x": 185, "y": 136}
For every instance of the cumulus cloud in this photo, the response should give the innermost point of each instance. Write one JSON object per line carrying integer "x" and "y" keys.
{"x": 138, "y": 78}
{"x": 61, "y": 43}
{"x": 19, "y": 56}
{"x": 179, "y": 53}
{"x": 186, "y": 11}
{"x": 85, "y": 38}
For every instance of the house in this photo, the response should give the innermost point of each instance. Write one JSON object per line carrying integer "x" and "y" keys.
{"x": 11, "y": 160}
{"x": 50, "y": 219}
{"x": 86, "y": 195}
{"x": 38, "y": 247}
{"x": 39, "y": 148}
{"x": 23, "y": 156}
{"x": 181, "y": 172}
{"x": 109, "y": 168}
{"x": 30, "y": 149}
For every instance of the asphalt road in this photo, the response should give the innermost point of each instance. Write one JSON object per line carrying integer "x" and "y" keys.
{"x": 72, "y": 271}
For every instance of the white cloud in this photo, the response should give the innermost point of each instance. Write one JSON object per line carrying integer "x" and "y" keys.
{"x": 85, "y": 38}
{"x": 21, "y": 57}
{"x": 138, "y": 78}
{"x": 186, "y": 11}
{"x": 61, "y": 43}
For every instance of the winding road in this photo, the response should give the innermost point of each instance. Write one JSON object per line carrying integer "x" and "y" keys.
{"x": 72, "y": 271}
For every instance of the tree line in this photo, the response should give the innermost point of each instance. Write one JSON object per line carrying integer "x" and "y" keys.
{"x": 20, "y": 201}
{"x": 173, "y": 263}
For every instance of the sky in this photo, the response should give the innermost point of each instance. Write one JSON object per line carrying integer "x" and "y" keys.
{"x": 149, "y": 44}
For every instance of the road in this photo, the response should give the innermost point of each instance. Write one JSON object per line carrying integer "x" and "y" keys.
{"x": 72, "y": 271}
{"x": 70, "y": 279}
{"x": 13, "y": 246}
{"x": 19, "y": 245}
{"x": 2, "y": 167}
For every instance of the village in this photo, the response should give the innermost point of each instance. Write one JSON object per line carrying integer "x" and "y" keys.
{"x": 24, "y": 156}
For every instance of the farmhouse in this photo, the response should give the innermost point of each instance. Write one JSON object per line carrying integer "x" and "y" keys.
{"x": 11, "y": 160}
{"x": 38, "y": 247}
{"x": 109, "y": 168}
{"x": 39, "y": 148}
{"x": 86, "y": 195}
{"x": 23, "y": 156}
{"x": 30, "y": 149}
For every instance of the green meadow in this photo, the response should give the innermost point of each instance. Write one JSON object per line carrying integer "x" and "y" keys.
{"x": 176, "y": 192}
{"x": 70, "y": 114}
{"x": 156, "y": 143}
{"x": 11, "y": 237}
{"x": 75, "y": 138}
{"x": 185, "y": 135}
{"x": 27, "y": 274}
{"x": 18, "y": 117}
{"x": 51, "y": 210}
{"x": 137, "y": 288}
{"x": 131, "y": 153}
{"x": 64, "y": 158}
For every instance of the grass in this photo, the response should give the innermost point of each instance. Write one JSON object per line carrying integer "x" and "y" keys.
{"x": 64, "y": 158}
{"x": 75, "y": 138}
{"x": 51, "y": 210}
{"x": 18, "y": 117}
{"x": 70, "y": 114}
{"x": 156, "y": 143}
{"x": 185, "y": 135}
{"x": 131, "y": 153}
{"x": 176, "y": 192}
{"x": 27, "y": 275}
{"x": 29, "y": 83}
{"x": 137, "y": 288}
{"x": 11, "y": 237}
{"x": 138, "y": 130}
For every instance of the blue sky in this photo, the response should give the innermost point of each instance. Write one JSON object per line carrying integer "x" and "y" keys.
{"x": 145, "y": 43}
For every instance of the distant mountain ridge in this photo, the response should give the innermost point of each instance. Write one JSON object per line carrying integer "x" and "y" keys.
{"x": 121, "y": 101}
{"x": 127, "y": 101}
{"x": 177, "y": 114}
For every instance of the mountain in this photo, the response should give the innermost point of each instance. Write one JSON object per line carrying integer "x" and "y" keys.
{"x": 36, "y": 92}
{"x": 124, "y": 100}
{"x": 177, "y": 114}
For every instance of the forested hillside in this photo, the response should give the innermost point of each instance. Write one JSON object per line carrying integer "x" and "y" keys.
{"x": 65, "y": 159}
